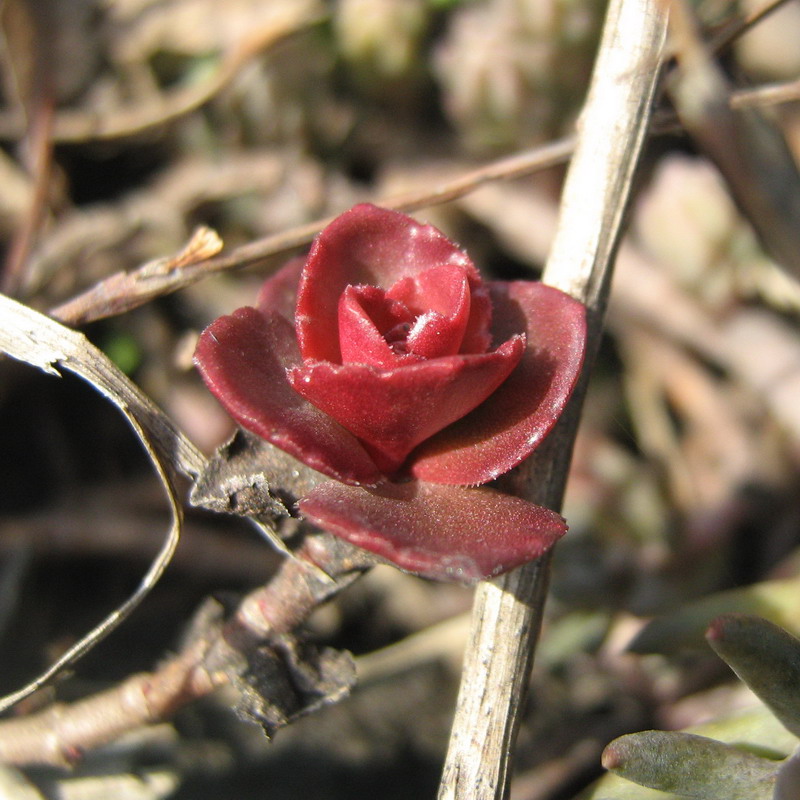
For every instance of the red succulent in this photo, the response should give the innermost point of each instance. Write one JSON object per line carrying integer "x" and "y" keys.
{"x": 384, "y": 361}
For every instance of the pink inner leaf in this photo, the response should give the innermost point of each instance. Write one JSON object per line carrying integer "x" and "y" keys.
{"x": 367, "y": 246}
{"x": 371, "y": 326}
{"x": 441, "y": 298}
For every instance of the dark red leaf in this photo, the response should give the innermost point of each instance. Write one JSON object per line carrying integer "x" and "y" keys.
{"x": 393, "y": 410}
{"x": 243, "y": 359}
{"x": 368, "y": 246}
{"x": 441, "y": 532}
{"x": 512, "y": 421}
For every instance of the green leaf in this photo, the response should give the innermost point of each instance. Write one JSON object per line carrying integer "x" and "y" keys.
{"x": 766, "y": 658}
{"x": 691, "y": 766}
{"x": 773, "y": 600}
{"x": 755, "y": 730}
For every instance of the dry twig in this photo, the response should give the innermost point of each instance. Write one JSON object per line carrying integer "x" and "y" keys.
{"x": 507, "y": 612}
{"x": 127, "y": 290}
{"x": 217, "y": 655}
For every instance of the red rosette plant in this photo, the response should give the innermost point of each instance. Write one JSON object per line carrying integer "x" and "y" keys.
{"x": 383, "y": 361}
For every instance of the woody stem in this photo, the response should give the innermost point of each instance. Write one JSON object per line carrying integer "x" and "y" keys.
{"x": 507, "y": 612}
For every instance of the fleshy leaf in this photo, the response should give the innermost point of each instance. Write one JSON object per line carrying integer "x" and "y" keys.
{"x": 766, "y": 658}
{"x": 440, "y": 297}
{"x": 367, "y": 319}
{"x": 441, "y": 532}
{"x": 755, "y": 730}
{"x": 508, "y": 426}
{"x": 368, "y": 246}
{"x": 686, "y": 627}
{"x": 691, "y": 766}
{"x": 392, "y": 410}
{"x": 243, "y": 359}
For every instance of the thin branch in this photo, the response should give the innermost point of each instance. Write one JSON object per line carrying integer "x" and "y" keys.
{"x": 84, "y": 126}
{"x": 771, "y": 94}
{"x": 128, "y": 290}
{"x": 508, "y": 611}
{"x": 59, "y": 735}
{"x": 125, "y": 291}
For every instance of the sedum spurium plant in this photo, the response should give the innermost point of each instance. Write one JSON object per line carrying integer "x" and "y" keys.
{"x": 749, "y": 765}
{"x": 385, "y": 362}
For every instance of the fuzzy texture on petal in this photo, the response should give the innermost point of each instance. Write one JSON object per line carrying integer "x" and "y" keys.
{"x": 243, "y": 359}
{"x": 441, "y": 532}
{"x": 367, "y": 246}
{"x": 440, "y": 299}
{"x": 393, "y": 410}
{"x": 509, "y": 425}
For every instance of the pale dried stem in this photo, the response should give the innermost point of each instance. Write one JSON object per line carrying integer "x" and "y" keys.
{"x": 507, "y": 612}
{"x": 60, "y": 735}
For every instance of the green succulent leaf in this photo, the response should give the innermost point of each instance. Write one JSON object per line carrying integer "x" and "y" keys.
{"x": 766, "y": 658}
{"x": 691, "y": 766}
{"x": 755, "y": 730}
{"x": 774, "y": 600}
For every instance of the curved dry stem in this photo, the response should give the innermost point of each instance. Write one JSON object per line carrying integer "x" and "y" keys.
{"x": 31, "y": 337}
